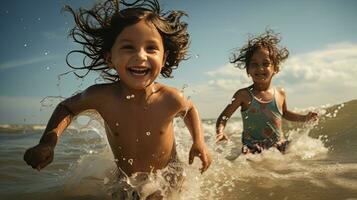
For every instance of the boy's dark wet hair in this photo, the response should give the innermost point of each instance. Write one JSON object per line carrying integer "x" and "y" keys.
{"x": 269, "y": 41}
{"x": 97, "y": 28}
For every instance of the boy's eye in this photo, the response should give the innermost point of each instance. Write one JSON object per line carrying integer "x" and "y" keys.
{"x": 152, "y": 48}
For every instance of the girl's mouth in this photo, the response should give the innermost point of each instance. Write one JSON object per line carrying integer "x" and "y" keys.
{"x": 260, "y": 75}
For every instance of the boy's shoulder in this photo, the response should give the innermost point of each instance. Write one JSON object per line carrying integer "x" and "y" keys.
{"x": 169, "y": 92}
{"x": 172, "y": 97}
{"x": 101, "y": 86}
{"x": 99, "y": 89}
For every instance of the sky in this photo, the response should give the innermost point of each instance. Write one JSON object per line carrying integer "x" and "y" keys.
{"x": 321, "y": 36}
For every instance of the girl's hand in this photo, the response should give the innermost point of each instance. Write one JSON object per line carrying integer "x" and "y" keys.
{"x": 221, "y": 136}
{"x": 311, "y": 116}
{"x": 199, "y": 150}
{"x": 39, "y": 156}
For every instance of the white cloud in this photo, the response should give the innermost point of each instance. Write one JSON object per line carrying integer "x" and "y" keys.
{"x": 311, "y": 79}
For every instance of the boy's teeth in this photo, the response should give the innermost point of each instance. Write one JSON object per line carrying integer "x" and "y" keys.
{"x": 139, "y": 71}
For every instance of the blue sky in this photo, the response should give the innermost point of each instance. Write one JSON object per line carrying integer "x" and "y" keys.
{"x": 320, "y": 35}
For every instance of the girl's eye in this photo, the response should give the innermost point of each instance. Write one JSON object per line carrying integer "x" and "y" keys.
{"x": 127, "y": 47}
{"x": 266, "y": 64}
{"x": 254, "y": 64}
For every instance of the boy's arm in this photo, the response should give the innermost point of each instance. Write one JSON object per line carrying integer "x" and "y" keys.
{"x": 193, "y": 123}
{"x": 41, "y": 155}
{"x": 226, "y": 114}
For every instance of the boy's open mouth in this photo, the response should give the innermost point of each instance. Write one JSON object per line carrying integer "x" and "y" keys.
{"x": 138, "y": 71}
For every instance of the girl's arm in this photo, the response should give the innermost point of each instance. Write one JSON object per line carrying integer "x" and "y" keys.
{"x": 226, "y": 114}
{"x": 292, "y": 116}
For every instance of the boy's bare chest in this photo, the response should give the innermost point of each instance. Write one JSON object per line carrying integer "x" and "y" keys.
{"x": 137, "y": 118}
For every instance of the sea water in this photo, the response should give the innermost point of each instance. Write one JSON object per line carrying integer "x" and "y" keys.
{"x": 320, "y": 163}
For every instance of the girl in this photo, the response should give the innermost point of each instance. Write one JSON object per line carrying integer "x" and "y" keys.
{"x": 262, "y": 105}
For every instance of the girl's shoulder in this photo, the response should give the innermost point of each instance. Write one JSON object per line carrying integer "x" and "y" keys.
{"x": 242, "y": 93}
{"x": 280, "y": 90}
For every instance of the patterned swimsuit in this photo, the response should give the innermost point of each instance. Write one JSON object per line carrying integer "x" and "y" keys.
{"x": 261, "y": 125}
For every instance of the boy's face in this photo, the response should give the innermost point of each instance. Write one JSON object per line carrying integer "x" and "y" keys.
{"x": 260, "y": 67}
{"x": 137, "y": 55}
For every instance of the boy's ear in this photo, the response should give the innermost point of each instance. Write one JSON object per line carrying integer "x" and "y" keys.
{"x": 108, "y": 60}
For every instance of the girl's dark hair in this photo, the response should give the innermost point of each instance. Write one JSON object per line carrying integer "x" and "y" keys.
{"x": 97, "y": 28}
{"x": 268, "y": 40}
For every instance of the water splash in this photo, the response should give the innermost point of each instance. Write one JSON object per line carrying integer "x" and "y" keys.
{"x": 50, "y": 101}
{"x": 235, "y": 175}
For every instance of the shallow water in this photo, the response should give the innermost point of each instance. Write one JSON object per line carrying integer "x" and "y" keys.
{"x": 321, "y": 163}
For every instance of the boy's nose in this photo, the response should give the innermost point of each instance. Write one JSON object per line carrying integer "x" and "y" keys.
{"x": 141, "y": 54}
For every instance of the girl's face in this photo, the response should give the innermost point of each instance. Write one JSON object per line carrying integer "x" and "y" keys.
{"x": 260, "y": 67}
{"x": 137, "y": 55}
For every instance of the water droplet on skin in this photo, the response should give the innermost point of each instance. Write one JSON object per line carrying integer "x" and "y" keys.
{"x": 130, "y": 161}
{"x": 48, "y": 68}
{"x": 106, "y": 180}
{"x": 233, "y": 99}
{"x": 124, "y": 158}
{"x": 148, "y": 133}
{"x": 137, "y": 140}
{"x": 39, "y": 19}
{"x": 46, "y": 53}
{"x": 117, "y": 124}
{"x": 224, "y": 117}
{"x": 130, "y": 96}
{"x": 25, "y": 45}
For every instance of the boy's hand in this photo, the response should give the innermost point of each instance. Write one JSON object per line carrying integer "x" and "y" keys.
{"x": 221, "y": 136}
{"x": 311, "y": 116}
{"x": 199, "y": 150}
{"x": 39, "y": 156}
